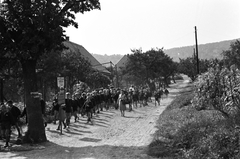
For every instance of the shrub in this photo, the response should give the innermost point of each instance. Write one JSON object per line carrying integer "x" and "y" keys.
{"x": 199, "y": 138}
{"x": 219, "y": 141}
{"x": 218, "y": 89}
{"x": 184, "y": 132}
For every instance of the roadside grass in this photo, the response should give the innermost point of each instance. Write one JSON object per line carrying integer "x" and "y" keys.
{"x": 184, "y": 132}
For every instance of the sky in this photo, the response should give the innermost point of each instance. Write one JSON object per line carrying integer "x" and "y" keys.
{"x": 122, "y": 25}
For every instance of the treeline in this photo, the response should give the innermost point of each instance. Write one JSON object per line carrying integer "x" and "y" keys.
{"x": 203, "y": 122}
{"x": 152, "y": 68}
{"x": 68, "y": 64}
{"x": 155, "y": 68}
{"x": 206, "y": 51}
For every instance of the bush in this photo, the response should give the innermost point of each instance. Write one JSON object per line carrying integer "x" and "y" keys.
{"x": 218, "y": 89}
{"x": 216, "y": 141}
{"x": 184, "y": 132}
{"x": 204, "y": 135}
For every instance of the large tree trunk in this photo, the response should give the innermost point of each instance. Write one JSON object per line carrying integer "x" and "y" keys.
{"x": 36, "y": 129}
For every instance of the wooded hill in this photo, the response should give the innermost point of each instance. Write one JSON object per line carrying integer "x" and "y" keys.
{"x": 205, "y": 51}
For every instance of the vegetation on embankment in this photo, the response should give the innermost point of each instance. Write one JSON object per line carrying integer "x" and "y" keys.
{"x": 184, "y": 132}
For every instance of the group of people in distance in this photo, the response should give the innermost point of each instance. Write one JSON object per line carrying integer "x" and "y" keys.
{"x": 79, "y": 104}
{"x": 89, "y": 103}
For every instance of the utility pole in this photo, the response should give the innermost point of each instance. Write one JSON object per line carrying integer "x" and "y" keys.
{"x": 194, "y": 60}
{"x": 116, "y": 76}
{"x": 194, "y": 54}
{"x": 196, "y": 50}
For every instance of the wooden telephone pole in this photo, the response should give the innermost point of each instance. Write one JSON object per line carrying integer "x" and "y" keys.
{"x": 196, "y": 50}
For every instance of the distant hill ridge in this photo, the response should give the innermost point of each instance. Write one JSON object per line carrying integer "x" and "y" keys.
{"x": 205, "y": 51}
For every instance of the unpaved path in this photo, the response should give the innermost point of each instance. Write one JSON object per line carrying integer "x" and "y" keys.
{"x": 111, "y": 136}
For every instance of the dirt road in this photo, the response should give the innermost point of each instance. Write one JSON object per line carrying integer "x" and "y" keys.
{"x": 110, "y": 137}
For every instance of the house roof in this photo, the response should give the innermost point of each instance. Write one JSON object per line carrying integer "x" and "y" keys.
{"x": 122, "y": 62}
{"x": 80, "y": 49}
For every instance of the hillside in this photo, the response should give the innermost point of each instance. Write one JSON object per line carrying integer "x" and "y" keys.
{"x": 205, "y": 51}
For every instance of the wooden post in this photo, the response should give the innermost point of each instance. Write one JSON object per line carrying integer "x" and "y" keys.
{"x": 197, "y": 50}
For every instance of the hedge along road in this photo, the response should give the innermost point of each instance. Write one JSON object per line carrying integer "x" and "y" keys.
{"x": 111, "y": 136}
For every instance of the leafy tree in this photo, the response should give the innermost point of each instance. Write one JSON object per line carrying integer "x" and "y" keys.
{"x": 149, "y": 65}
{"x": 30, "y": 29}
{"x": 72, "y": 65}
{"x": 232, "y": 56}
{"x": 160, "y": 65}
{"x": 96, "y": 79}
{"x": 135, "y": 67}
{"x": 10, "y": 74}
{"x": 75, "y": 68}
{"x": 188, "y": 66}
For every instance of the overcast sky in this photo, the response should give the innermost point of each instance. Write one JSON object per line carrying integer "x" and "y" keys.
{"x": 122, "y": 25}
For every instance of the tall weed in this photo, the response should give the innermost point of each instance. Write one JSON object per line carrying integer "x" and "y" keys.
{"x": 184, "y": 132}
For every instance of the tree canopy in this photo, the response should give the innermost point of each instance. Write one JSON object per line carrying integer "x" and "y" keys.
{"x": 30, "y": 29}
{"x": 152, "y": 65}
{"x": 232, "y": 55}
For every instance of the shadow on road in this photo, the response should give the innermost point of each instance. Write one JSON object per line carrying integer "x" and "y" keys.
{"x": 54, "y": 151}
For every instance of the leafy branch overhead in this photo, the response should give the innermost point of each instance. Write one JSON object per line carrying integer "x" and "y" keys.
{"x": 32, "y": 27}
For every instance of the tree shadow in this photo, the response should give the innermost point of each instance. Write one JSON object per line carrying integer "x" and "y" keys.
{"x": 93, "y": 124}
{"x": 52, "y": 150}
{"x": 68, "y": 131}
{"x": 98, "y": 118}
{"x": 130, "y": 117}
{"x": 100, "y": 122}
{"x": 79, "y": 126}
{"x": 87, "y": 139}
{"x": 77, "y": 130}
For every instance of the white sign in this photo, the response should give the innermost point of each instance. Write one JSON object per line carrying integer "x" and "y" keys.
{"x": 60, "y": 82}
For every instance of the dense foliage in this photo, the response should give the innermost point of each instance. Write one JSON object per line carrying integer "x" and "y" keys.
{"x": 219, "y": 89}
{"x": 206, "y": 126}
{"x": 184, "y": 132}
{"x": 30, "y": 29}
{"x": 232, "y": 55}
{"x": 188, "y": 66}
{"x": 152, "y": 65}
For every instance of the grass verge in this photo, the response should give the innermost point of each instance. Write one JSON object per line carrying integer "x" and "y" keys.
{"x": 184, "y": 132}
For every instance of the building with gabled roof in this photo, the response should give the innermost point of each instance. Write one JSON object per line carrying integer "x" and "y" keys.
{"x": 80, "y": 49}
{"x": 122, "y": 62}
